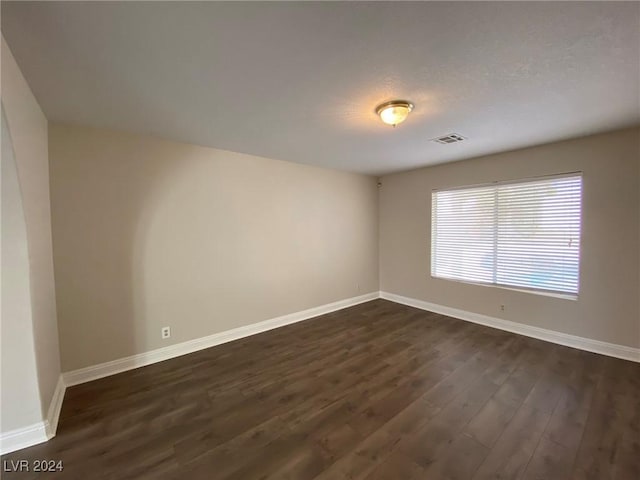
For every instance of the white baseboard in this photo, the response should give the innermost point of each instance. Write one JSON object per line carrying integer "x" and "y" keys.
{"x": 43, "y": 431}
{"x": 95, "y": 372}
{"x": 54, "y": 408}
{"x": 23, "y": 437}
{"x": 38, "y": 432}
{"x": 596, "y": 346}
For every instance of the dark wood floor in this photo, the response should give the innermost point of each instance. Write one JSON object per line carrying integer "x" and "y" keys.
{"x": 377, "y": 391}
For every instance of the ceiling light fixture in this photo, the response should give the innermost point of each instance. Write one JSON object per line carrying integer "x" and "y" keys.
{"x": 394, "y": 112}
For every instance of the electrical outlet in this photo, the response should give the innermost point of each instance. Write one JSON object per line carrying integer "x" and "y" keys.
{"x": 502, "y": 308}
{"x": 166, "y": 332}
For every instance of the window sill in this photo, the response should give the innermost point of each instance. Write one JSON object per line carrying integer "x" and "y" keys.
{"x": 544, "y": 293}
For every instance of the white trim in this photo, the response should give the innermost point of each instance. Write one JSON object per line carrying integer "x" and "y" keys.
{"x": 95, "y": 372}
{"x": 42, "y": 431}
{"x": 38, "y": 432}
{"x": 54, "y": 408}
{"x": 588, "y": 344}
{"x": 23, "y": 437}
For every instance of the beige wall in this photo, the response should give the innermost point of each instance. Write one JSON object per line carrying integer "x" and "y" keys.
{"x": 28, "y": 126}
{"x": 607, "y": 308}
{"x": 148, "y": 233}
{"x": 19, "y": 393}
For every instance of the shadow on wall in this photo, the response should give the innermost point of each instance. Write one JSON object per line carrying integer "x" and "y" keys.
{"x": 20, "y": 393}
{"x": 103, "y": 205}
{"x": 149, "y": 233}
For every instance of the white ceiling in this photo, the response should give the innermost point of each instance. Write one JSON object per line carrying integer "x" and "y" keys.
{"x": 300, "y": 81}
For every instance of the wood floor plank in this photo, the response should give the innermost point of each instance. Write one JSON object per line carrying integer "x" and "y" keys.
{"x": 603, "y": 439}
{"x": 550, "y": 460}
{"x": 511, "y": 454}
{"x": 487, "y": 426}
{"x": 379, "y": 391}
{"x": 459, "y": 460}
{"x": 396, "y": 466}
{"x": 433, "y": 440}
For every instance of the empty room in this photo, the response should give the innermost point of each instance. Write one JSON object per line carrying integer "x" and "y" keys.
{"x": 320, "y": 240}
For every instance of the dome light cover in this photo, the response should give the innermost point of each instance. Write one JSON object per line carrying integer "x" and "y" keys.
{"x": 394, "y": 112}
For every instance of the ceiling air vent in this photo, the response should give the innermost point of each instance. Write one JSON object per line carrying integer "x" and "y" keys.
{"x": 451, "y": 138}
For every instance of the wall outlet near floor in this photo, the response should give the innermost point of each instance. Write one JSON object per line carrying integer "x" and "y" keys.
{"x": 502, "y": 308}
{"x": 166, "y": 332}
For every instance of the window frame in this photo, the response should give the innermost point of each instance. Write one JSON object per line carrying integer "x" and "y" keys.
{"x": 516, "y": 288}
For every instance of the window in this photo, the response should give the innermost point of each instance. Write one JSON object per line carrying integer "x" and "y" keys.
{"x": 523, "y": 235}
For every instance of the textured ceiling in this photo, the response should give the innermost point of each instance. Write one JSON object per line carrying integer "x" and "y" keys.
{"x": 300, "y": 81}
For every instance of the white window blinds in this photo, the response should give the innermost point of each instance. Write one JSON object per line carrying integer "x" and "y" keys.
{"x": 524, "y": 234}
